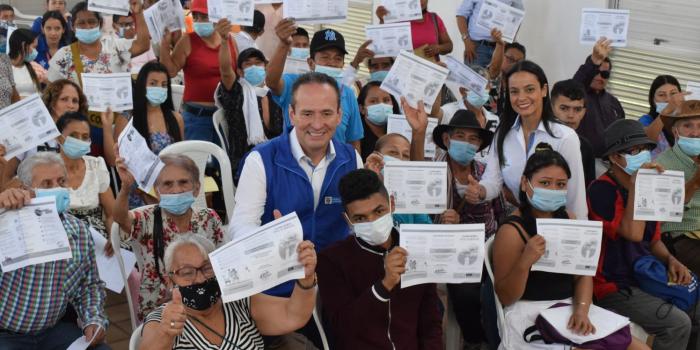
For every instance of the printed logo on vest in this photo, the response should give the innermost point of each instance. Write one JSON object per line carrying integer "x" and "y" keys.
{"x": 331, "y": 200}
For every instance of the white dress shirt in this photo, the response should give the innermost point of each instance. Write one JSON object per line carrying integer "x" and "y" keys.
{"x": 565, "y": 141}
{"x": 251, "y": 193}
{"x": 244, "y": 41}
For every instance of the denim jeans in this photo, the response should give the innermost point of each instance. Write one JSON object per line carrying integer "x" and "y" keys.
{"x": 483, "y": 55}
{"x": 199, "y": 126}
{"x": 59, "y": 337}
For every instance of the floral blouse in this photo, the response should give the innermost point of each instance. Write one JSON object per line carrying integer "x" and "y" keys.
{"x": 153, "y": 286}
{"x": 7, "y": 81}
{"x": 113, "y": 58}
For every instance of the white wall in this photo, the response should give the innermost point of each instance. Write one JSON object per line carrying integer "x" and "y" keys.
{"x": 549, "y": 32}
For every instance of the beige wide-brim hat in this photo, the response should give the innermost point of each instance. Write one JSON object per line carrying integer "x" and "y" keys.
{"x": 688, "y": 109}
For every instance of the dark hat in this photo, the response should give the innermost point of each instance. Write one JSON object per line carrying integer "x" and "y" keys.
{"x": 623, "y": 134}
{"x": 688, "y": 109}
{"x": 249, "y": 53}
{"x": 325, "y": 39}
{"x": 258, "y": 21}
{"x": 462, "y": 119}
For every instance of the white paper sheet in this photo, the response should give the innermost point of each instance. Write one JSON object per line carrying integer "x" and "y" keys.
{"x": 32, "y": 235}
{"x": 10, "y": 29}
{"x": 398, "y": 124}
{"x": 25, "y": 124}
{"x": 108, "y": 267}
{"x": 694, "y": 88}
{"x": 465, "y": 76}
{"x": 260, "y": 260}
{"x": 609, "y": 23}
{"x": 389, "y": 39}
{"x": 140, "y": 160}
{"x": 659, "y": 197}
{"x": 296, "y": 66}
{"x": 111, "y": 90}
{"x": 165, "y": 14}
{"x": 258, "y": 2}
{"x": 415, "y": 78}
{"x": 401, "y": 10}
{"x": 495, "y": 14}
{"x": 442, "y": 253}
{"x": 316, "y": 11}
{"x": 572, "y": 246}
{"x": 417, "y": 187}
{"x": 81, "y": 343}
{"x": 113, "y": 7}
{"x": 237, "y": 11}
{"x": 605, "y": 322}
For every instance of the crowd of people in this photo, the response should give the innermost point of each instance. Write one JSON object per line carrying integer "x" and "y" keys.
{"x": 316, "y": 144}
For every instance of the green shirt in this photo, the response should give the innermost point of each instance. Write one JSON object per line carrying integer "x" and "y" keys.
{"x": 674, "y": 159}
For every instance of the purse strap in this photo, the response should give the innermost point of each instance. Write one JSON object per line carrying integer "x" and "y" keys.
{"x": 77, "y": 62}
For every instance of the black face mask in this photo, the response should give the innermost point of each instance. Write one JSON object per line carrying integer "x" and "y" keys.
{"x": 201, "y": 296}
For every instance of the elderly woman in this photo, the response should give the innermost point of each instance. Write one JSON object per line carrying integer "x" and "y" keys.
{"x": 200, "y": 320}
{"x": 153, "y": 227}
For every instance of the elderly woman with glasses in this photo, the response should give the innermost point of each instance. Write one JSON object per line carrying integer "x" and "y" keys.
{"x": 196, "y": 318}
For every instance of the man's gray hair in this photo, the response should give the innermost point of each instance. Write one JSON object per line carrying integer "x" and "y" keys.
{"x": 25, "y": 171}
{"x": 202, "y": 243}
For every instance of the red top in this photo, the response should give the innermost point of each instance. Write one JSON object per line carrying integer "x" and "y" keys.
{"x": 202, "y": 70}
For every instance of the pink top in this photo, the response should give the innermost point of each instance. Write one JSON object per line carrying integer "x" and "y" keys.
{"x": 423, "y": 31}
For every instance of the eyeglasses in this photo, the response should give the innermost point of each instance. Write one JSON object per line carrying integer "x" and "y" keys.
{"x": 605, "y": 74}
{"x": 189, "y": 273}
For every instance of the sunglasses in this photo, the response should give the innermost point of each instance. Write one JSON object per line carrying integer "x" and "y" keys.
{"x": 605, "y": 74}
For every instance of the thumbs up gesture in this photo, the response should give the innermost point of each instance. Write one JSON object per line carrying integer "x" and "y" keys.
{"x": 172, "y": 321}
{"x": 475, "y": 192}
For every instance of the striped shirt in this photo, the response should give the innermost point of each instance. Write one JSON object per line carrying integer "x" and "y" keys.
{"x": 240, "y": 329}
{"x": 34, "y": 298}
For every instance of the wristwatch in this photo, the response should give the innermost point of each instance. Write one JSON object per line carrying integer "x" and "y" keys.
{"x": 465, "y": 36}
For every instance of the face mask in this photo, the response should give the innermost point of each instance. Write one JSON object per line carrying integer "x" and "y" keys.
{"x": 201, "y": 296}
{"x": 379, "y": 113}
{"x": 300, "y": 52}
{"x": 156, "y": 95}
{"x": 335, "y": 73}
{"x": 634, "y": 162}
{"x": 31, "y": 56}
{"x": 74, "y": 148}
{"x": 88, "y": 36}
{"x": 177, "y": 203}
{"x": 477, "y": 100}
{"x": 461, "y": 189}
{"x": 689, "y": 145}
{"x": 386, "y": 158}
{"x": 375, "y": 232}
{"x": 121, "y": 32}
{"x": 461, "y": 152}
{"x": 660, "y": 106}
{"x": 203, "y": 29}
{"x": 547, "y": 200}
{"x": 61, "y": 194}
{"x": 255, "y": 75}
{"x": 378, "y": 76}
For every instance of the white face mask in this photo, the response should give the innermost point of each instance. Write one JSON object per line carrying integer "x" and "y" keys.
{"x": 376, "y": 232}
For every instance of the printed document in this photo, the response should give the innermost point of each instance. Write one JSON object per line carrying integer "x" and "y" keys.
{"x": 605, "y": 322}
{"x": 389, "y": 39}
{"x": 108, "y": 267}
{"x": 659, "y": 197}
{"x": 694, "y": 88}
{"x": 465, "y": 76}
{"x": 113, "y": 7}
{"x": 165, "y": 14}
{"x": 237, "y": 11}
{"x": 398, "y": 124}
{"x": 417, "y": 187}
{"x": 401, "y": 10}
{"x": 24, "y": 125}
{"x": 609, "y": 23}
{"x": 140, "y": 160}
{"x": 572, "y": 246}
{"x": 295, "y": 65}
{"x": 111, "y": 90}
{"x": 495, "y": 14}
{"x": 416, "y": 79}
{"x": 316, "y": 11}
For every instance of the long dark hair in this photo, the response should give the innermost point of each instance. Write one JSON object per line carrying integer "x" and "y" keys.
{"x": 140, "y": 113}
{"x": 660, "y": 81}
{"x": 509, "y": 115}
{"x": 543, "y": 157}
{"x": 19, "y": 41}
{"x": 65, "y": 38}
{"x": 365, "y": 91}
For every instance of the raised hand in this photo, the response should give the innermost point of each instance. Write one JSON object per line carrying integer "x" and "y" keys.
{"x": 473, "y": 193}
{"x": 417, "y": 117}
{"x": 284, "y": 30}
{"x": 307, "y": 257}
{"x": 223, "y": 28}
{"x": 394, "y": 267}
{"x": 534, "y": 249}
{"x": 174, "y": 316}
{"x": 601, "y": 50}
{"x": 362, "y": 53}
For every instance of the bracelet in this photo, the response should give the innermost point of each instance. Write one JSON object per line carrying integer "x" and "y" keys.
{"x": 583, "y": 303}
{"x": 309, "y": 287}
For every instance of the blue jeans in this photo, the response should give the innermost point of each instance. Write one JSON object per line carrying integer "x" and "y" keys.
{"x": 483, "y": 55}
{"x": 199, "y": 126}
{"x": 59, "y": 337}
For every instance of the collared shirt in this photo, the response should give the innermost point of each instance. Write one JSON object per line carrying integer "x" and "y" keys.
{"x": 244, "y": 41}
{"x": 251, "y": 193}
{"x": 470, "y": 10}
{"x": 565, "y": 141}
{"x": 34, "y": 298}
{"x": 675, "y": 159}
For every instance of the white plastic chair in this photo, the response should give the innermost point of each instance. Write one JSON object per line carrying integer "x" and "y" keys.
{"x": 501, "y": 319}
{"x": 135, "y": 339}
{"x": 115, "y": 239}
{"x": 317, "y": 320}
{"x": 200, "y": 151}
{"x": 178, "y": 93}
{"x": 221, "y": 128}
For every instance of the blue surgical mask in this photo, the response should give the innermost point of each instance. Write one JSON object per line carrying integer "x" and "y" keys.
{"x": 74, "y": 148}
{"x": 156, "y": 95}
{"x": 88, "y": 36}
{"x": 547, "y": 200}
{"x": 300, "y": 52}
{"x": 255, "y": 75}
{"x": 461, "y": 152}
{"x": 378, "y": 76}
{"x": 634, "y": 162}
{"x": 689, "y": 145}
{"x": 335, "y": 73}
{"x": 387, "y": 158}
{"x": 121, "y": 31}
{"x": 177, "y": 203}
{"x": 378, "y": 114}
{"x": 60, "y": 193}
{"x": 203, "y": 29}
{"x": 477, "y": 100}
{"x": 31, "y": 56}
{"x": 660, "y": 106}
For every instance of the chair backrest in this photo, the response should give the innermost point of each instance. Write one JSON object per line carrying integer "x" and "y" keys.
{"x": 501, "y": 320}
{"x": 135, "y": 339}
{"x": 319, "y": 323}
{"x": 200, "y": 151}
{"x": 178, "y": 93}
{"x": 221, "y": 128}
{"x": 116, "y": 240}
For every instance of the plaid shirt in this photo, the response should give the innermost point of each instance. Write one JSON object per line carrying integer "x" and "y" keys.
{"x": 34, "y": 298}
